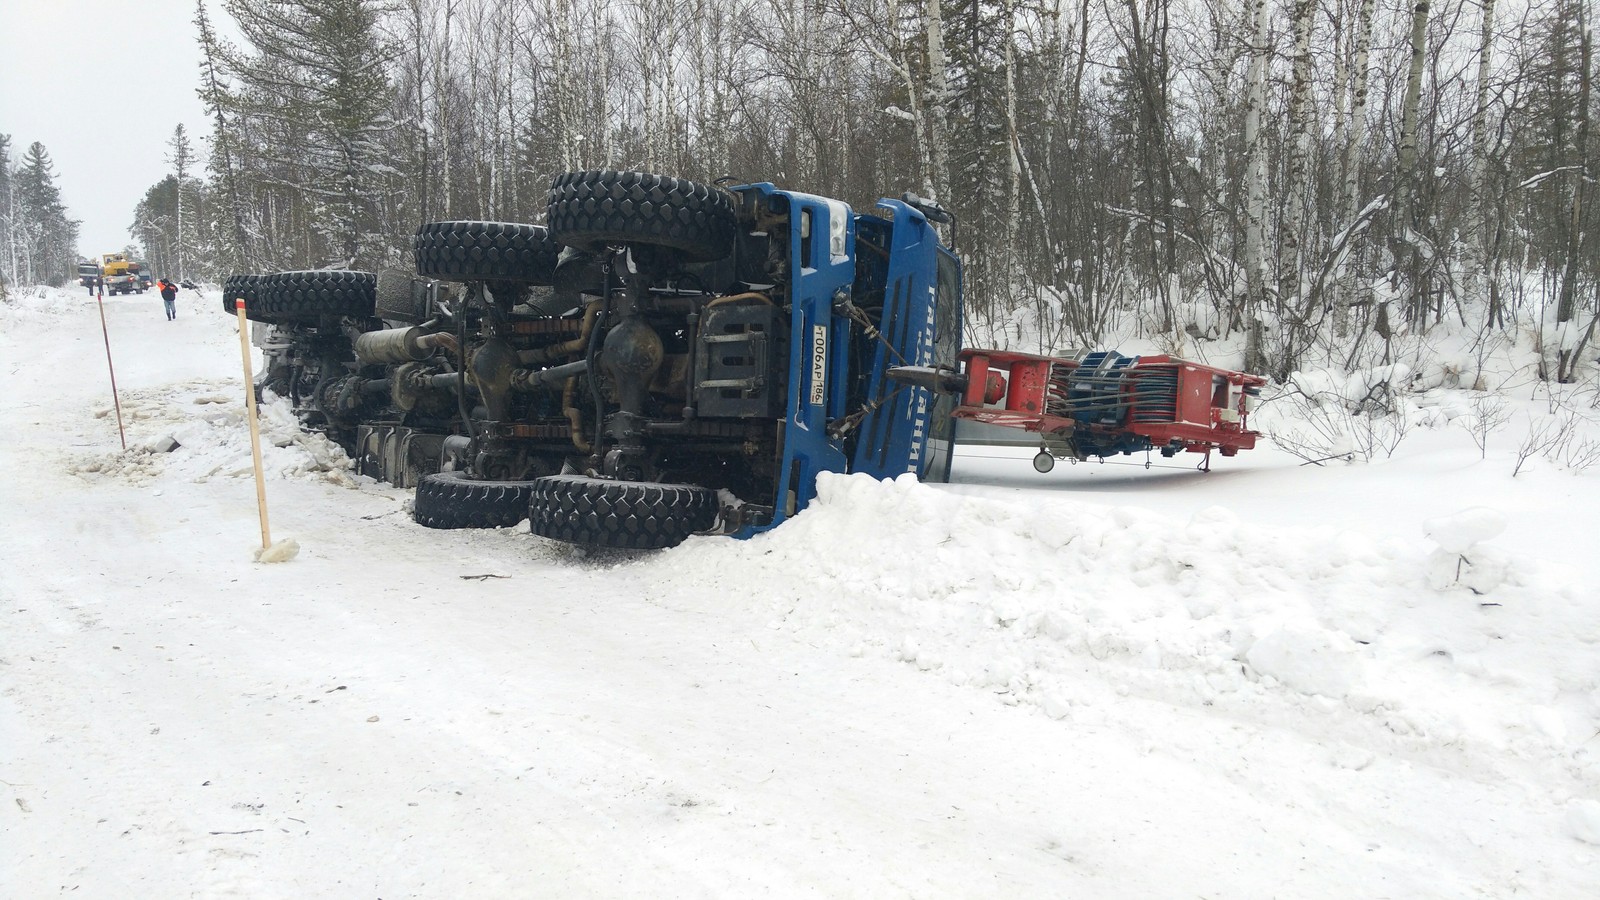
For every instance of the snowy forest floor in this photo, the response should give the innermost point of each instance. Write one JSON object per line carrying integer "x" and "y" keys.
{"x": 1102, "y": 682}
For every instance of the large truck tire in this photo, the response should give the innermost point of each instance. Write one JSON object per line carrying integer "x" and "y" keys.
{"x": 588, "y": 209}
{"x": 452, "y": 500}
{"x": 311, "y": 295}
{"x": 236, "y": 286}
{"x": 486, "y": 251}
{"x": 629, "y": 515}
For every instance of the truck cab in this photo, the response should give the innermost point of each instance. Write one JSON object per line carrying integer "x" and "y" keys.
{"x": 865, "y": 292}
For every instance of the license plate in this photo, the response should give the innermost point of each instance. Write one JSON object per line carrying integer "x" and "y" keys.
{"x": 819, "y": 364}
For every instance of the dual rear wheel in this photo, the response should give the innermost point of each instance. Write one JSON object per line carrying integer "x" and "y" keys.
{"x": 578, "y": 509}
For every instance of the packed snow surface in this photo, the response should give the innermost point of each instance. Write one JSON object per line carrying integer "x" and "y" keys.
{"x": 1270, "y": 680}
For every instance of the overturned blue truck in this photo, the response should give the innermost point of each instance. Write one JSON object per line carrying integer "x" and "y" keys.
{"x": 663, "y": 358}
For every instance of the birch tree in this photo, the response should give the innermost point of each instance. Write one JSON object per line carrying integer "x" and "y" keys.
{"x": 938, "y": 91}
{"x": 1566, "y": 300}
{"x": 1356, "y": 133}
{"x": 907, "y": 41}
{"x": 1404, "y": 238}
{"x": 1295, "y": 240}
{"x": 1255, "y": 177}
{"x": 1476, "y": 238}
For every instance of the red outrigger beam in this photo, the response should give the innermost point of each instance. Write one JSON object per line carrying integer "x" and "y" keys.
{"x": 1101, "y": 404}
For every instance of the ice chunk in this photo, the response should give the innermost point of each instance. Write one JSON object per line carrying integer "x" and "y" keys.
{"x": 1308, "y": 659}
{"x": 1583, "y": 819}
{"x": 280, "y": 551}
{"x": 1457, "y": 533}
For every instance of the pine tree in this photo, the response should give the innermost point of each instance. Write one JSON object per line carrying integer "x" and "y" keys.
{"x": 310, "y": 106}
{"x": 155, "y": 225}
{"x": 978, "y": 34}
{"x": 181, "y": 158}
{"x": 234, "y": 246}
{"x": 46, "y": 238}
{"x": 156, "y": 228}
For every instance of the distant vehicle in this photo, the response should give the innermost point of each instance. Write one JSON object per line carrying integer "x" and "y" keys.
{"x": 87, "y": 273}
{"x": 122, "y": 274}
{"x": 144, "y": 276}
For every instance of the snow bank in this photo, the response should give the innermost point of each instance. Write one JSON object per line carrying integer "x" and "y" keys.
{"x": 1022, "y": 599}
{"x": 39, "y": 303}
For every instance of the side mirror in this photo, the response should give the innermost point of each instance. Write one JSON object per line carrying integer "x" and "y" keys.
{"x": 929, "y": 208}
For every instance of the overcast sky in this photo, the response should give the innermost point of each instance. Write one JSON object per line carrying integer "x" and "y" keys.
{"x": 102, "y": 84}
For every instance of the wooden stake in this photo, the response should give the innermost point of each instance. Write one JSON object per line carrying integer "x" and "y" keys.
{"x": 115, "y": 400}
{"x": 255, "y": 428}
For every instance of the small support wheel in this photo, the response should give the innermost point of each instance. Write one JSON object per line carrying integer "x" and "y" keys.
{"x": 1043, "y": 462}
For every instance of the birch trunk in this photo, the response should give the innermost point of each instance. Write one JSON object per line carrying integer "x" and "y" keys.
{"x": 1255, "y": 192}
{"x": 1476, "y": 249}
{"x": 1360, "y": 74}
{"x": 600, "y": 111}
{"x": 441, "y": 79}
{"x": 897, "y": 57}
{"x": 1402, "y": 237}
{"x": 181, "y": 168}
{"x": 1291, "y": 284}
{"x": 1567, "y": 304}
{"x": 424, "y": 177}
{"x": 1008, "y": 240}
{"x": 564, "y": 84}
{"x": 938, "y": 101}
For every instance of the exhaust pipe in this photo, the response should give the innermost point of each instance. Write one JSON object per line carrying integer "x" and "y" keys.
{"x": 400, "y": 345}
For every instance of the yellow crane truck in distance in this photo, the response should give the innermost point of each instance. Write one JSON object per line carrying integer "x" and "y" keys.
{"x": 121, "y": 274}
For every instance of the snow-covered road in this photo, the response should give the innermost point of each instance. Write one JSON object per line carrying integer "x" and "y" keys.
{"x": 1012, "y": 686}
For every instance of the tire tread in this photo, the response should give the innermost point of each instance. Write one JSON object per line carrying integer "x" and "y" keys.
{"x": 451, "y": 500}
{"x": 486, "y": 251}
{"x": 627, "y": 515}
{"x": 587, "y": 209}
